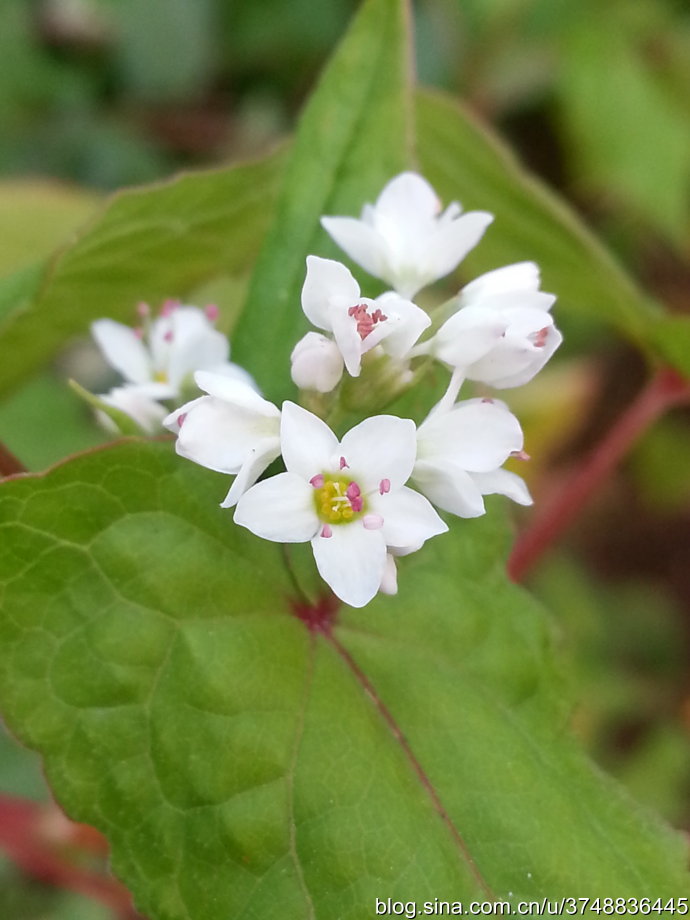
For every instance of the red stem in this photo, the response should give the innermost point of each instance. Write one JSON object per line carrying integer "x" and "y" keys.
{"x": 9, "y": 465}
{"x": 665, "y": 390}
{"x": 45, "y": 844}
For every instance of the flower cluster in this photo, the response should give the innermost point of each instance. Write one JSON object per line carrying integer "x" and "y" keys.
{"x": 368, "y": 497}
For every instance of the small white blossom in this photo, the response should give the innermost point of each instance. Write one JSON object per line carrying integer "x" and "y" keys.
{"x": 332, "y": 301}
{"x": 348, "y": 498}
{"x": 160, "y": 358}
{"x": 404, "y": 238}
{"x": 317, "y": 363}
{"x": 142, "y": 409}
{"x": 460, "y": 452}
{"x": 502, "y": 333}
{"x": 231, "y": 430}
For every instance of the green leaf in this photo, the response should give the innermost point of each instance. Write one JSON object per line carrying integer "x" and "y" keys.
{"x": 629, "y": 138}
{"x": 146, "y": 244}
{"x": 464, "y": 160}
{"x": 351, "y": 139}
{"x": 243, "y": 766}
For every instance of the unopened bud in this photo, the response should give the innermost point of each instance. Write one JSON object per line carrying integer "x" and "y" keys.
{"x": 316, "y": 363}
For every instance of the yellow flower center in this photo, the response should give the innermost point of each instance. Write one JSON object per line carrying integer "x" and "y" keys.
{"x": 337, "y": 499}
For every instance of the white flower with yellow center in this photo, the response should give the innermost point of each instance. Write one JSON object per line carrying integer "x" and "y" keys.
{"x": 347, "y": 497}
{"x": 405, "y": 239}
{"x": 159, "y": 358}
{"x": 332, "y": 301}
{"x": 231, "y": 430}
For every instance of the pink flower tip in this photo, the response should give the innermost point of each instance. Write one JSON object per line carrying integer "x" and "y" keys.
{"x": 326, "y": 530}
{"x": 344, "y": 463}
{"x": 317, "y": 481}
{"x": 384, "y": 486}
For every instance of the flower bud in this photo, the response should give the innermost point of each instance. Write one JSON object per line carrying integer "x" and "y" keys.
{"x": 316, "y": 363}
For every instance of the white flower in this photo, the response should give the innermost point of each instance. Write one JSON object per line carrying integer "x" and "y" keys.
{"x": 142, "y": 409}
{"x": 348, "y": 498}
{"x": 316, "y": 363}
{"x": 232, "y": 430}
{"x": 331, "y": 300}
{"x": 460, "y": 452}
{"x": 404, "y": 238}
{"x": 502, "y": 333}
{"x": 160, "y": 359}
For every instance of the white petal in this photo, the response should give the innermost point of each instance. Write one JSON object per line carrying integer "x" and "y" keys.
{"x": 253, "y": 465}
{"x": 402, "y": 335}
{"x": 389, "y": 580}
{"x": 467, "y": 336}
{"x": 408, "y": 200}
{"x": 123, "y": 350}
{"x": 408, "y": 518}
{"x": 539, "y": 359}
{"x": 381, "y": 447}
{"x": 347, "y": 339}
{"x": 326, "y": 279}
{"x": 360, "y": 241}
{"x": 352, "y": 561}
{"x": 236, "y": 391}
{"x": 316, "y": 363}
{"x": 308, "y": 445}
{"x": 234, "y": 372}
{"x": 451, "y": 243}
{"x": 503, "y": 482}
{"x": 280, "y": 509}
{"x": 219, "y": 435}
{"x": 174, "y": 421}
{"x": 449, "y": 487}
{"x": 522, "y": 276}
{"x": 147, "y": 413}
{"x": 477, "y": 435}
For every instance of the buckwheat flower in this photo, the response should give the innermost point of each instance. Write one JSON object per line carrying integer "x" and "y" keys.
{"x": 460, "y": 453}
{"x": 405, "y": 238}
{"x": 502, "y": 333}
{"x": 316, "y": 363}
{"x": 160, "y": 358}
{"x": 231, "y": 430}
{"x": 144, "y": 411}
{"x": 332, "y": 301}
{"x": 348, "y": 498}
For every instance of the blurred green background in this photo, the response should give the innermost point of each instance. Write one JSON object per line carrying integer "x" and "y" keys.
{"x": 593, "y": 95}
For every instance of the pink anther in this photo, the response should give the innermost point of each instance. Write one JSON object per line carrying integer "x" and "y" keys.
{"x": 143, "y": 309}
{"x": 326, "y": 530}
{"x": 317, "y": 481}
{"x": 169, "y": 306}
{"x": 168, "y": 336}
{"x": 354, "y": 496}
{"x": 180, "y": 419}
{"x": 212, "y": 312}
{"x": 384, "y": 486}
{"x": 519, "y": 455}
{"x": 540, "y": 337}
{"x": 344, "y": 463}
{"x": 139, "y": 332}
{"x": 372, "y": 521}
{"x": 488, "y": 399}
{"x": 365, "y": 321}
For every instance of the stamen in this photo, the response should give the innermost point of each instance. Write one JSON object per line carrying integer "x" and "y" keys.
{"x": 372, "y": 521}
{"x": 540, "y": 337}
{"x": 344, "y": 463}
{"x": 317, "y": 481}
{"x": 212, "y": 312}
{"x": 168, "y": 336}
{"x": 487, "y": 399}
{"x": 326, "y": 531}
{"x": 384, "y": 486}
{"x": 169, "y": 306}
{"x": 354, "y": 494}
{"x": 365, "y": 321}
{"x": 520, "y": 455}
